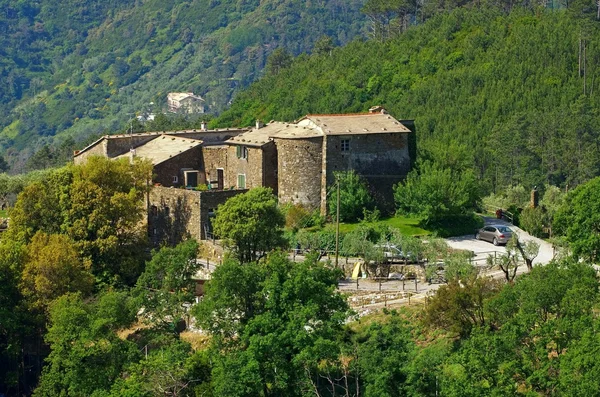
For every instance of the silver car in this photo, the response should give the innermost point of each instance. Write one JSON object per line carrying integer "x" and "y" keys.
{"x": 495, "y": 234}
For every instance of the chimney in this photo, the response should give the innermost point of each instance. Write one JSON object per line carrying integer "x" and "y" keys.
{"x": 535, "y": 198}
{"x": 259, "y": 124}
{"x": 203, "y": 125}
{"x": 377, "y": 109}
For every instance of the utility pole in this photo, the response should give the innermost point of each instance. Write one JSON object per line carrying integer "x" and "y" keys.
{"x": 337, "y": 224}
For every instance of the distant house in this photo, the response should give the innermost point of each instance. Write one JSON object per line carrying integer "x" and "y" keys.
{"x": 196, "y": 171}
{"x": 185, "y": 102}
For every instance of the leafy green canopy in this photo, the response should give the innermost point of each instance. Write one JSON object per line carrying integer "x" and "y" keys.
{"x": 166, "y": 284}
{"x": 578, "y": 219}
{"x": 86, "y": 353}
{"x": 271, "y": 323}
{"x": 251, "y": 223}
{"x": 354, "y": 197}
{"x": 436, "y": 193}
{"x": 75, "y": 69}
{"x": 534, "y": 338}
{"x": 98, "y": 205}
{"x": 500, "y": 94}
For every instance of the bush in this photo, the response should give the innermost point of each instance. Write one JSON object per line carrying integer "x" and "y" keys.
{"x": 354, "y": 197}
{"x": 532, "y": 221}
{"x": 298, "y": 217}
{"x": 437, "y": 194}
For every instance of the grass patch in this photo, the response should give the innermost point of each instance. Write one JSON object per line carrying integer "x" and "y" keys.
{"x": 3, "y": 214}
{"x": 408, "y": 226}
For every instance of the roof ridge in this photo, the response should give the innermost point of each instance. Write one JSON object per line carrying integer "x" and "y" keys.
{"x": 342, "y": 114}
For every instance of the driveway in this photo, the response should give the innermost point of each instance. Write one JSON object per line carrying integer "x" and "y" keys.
{"x": 482, "y": 248}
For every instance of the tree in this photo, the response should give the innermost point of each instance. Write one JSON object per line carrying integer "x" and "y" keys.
{"x": 324, "y": 46}
{"x": 578, "y": 219}
{"x": 169, "y": 369}
{"x": 529, "y": 250}
{"x": 10, "y": 186}
{"x": 459, "y": 305}
{"x": 551, "y": 202}
{"x": 3, "y": 165}
{"x": 508, "y": 262}
{"x": 285, "y": 317}
{"x": 251, "y": 224}
{"x": 166, "y": 284}
{"x": 12, "y": 326}
{"x": 532, "y": 220}
{"x": 278, "y": 60}
{"x": 99, "y": 205}
{"x": 354, "y": 197}
{"x": 86, "y": 354}
{"x": 53, "y": 268}
{"x": 435, "y": 193}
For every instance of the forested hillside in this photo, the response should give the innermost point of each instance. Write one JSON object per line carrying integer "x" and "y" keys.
{"x": 512, "y": 95}
{"x": 75, "y": 69}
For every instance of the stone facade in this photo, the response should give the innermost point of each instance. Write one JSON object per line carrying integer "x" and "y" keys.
{"x": 171, "y": 172}
{"x": 177, "y": 214}
{"x": 215, "y": 164}
{"x": 382, "y": 159}
{"x": 254, "y": 163}
{"x": 299, "y": 168}
{"x": 297, "y": 160}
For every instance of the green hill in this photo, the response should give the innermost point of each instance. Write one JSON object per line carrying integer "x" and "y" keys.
{"x": 513, "y": 96}
{"x": 79, "y": 68}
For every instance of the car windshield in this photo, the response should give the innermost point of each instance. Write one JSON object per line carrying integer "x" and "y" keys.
{"x": 504, "y": 229}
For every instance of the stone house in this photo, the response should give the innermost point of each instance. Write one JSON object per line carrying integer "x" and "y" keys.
{"x": 185, "y": 102}
{"x": 297, "y": 160}
{"x": 252, "y": 159}
{"x": 183, "y": 161}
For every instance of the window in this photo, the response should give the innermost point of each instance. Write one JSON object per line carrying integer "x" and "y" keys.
{"x": 241, "y": 152}
{"x": 175, "y": 179}
{"x": 241, "y": 181}
{"x": 345, "y": 145}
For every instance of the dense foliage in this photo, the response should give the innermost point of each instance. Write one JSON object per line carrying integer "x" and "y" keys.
{"x": 71, "y": 69}
{"x": 99, "y": 207}
{"x": 578, "y": 218}
{"x": 355, "y": 197}
{"x": 251, "y": 223}
{"x": 510, "y": 97}
{"x": 434, "y": 193}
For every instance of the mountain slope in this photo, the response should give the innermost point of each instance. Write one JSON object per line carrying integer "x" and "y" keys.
{"x": 503, "y": 94}
{"x": 75, "y": 68}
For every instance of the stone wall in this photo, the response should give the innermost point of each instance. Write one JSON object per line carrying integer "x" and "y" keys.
{"x": 382, "y": 159}
{"x": 178, "y": 214}
{"x": 214, "y": 157}
{"x": 299, "y": 167}
{"x": 173, "y": 215}
{"x": 99, "y": 149}
{"x": 251, "y": 167}
{"x": 189, "y": 160}
{"x": 209, "y": 201}
{"x": 269, "y": 166}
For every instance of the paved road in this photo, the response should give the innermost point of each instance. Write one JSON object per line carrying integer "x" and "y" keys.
{"x": 482, "y": 248}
